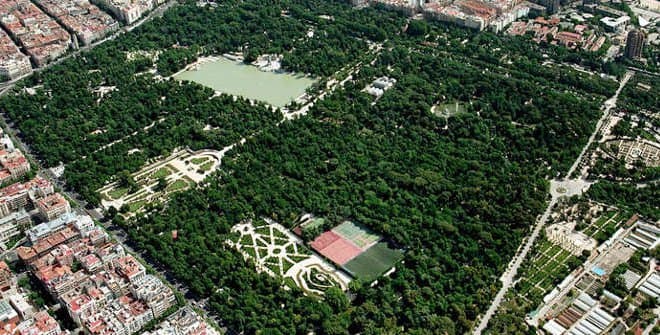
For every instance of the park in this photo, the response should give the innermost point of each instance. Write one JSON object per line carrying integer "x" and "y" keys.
{"x": 278, "y": 252}
{"x": 155, "y": 182}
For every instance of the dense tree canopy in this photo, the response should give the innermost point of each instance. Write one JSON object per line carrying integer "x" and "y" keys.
{"x": 456, "y": 192}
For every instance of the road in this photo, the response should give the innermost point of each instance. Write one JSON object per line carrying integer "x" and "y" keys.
{"x": 5, "y": 87}
{"x": 201, "y": 306}
{"x": 75, "y": 198}
{"x": 558, "y": 188}
{"x": 607, "y": 107}
{"x": 512, "y": 269}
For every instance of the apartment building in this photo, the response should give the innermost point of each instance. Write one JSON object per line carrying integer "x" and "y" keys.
{"x": 13, "y": 63}
{"x": 466, "y": 13}
{"x": 13, "y": 164}
{"x": 14, "y": 199}
{"x": 7, "y": 314}
{"x": 157, "y": 296}
{"x": 41, "y": 231}
{"x": 87, "y": 21}
{"x": 41, "y": 324}
{"x": 109, "y": 293}
{"x": 7, "y": 279}
{"x": 13, "y": 224}
{"x": 184, "y": 322}
{"x": 43, "y": 39}
{"x": 129, "y": 268}
{"x": 53, "y": 206}
{"x": 129, "y": 11}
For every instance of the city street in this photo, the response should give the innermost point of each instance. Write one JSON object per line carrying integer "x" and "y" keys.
{"x": 6, "y": 86}
{"x": 76, "y": 201}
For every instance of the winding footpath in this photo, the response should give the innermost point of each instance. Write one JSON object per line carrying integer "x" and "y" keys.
{"x": 557, "y": 190}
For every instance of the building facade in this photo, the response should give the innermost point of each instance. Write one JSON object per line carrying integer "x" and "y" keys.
{"x": 53, "y": 206}
{"x": 634, "y": 44}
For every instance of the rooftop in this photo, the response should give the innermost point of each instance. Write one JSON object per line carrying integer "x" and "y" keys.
{"x": 129, "y": 266}
{"x": 52, "y": 201}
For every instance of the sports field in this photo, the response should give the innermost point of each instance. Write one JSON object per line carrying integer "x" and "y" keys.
{"x": 375, "y": 261}
{"x": 357, "y": 249}
{"x": 362, "y": 237}
{"x": 335, "y": 248}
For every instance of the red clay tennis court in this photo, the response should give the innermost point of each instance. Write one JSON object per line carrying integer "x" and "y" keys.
{"x": 324, "y": 240}
{"x": 335, "y": 248}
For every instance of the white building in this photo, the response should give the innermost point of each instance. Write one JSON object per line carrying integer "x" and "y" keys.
{"x": 129, "y": 11}
{"x": 13, "y": 63}
{"x": 15, "y": 67}
{"x": 618, "y": 24}
{"x": 158, "y": 296}
{"x": 564, "y": 235}
{"x": 24, "y": 309}
{"x": 184, "y": 322}
{"x": 11, "y": 224}
{"x": 508, "y": 17}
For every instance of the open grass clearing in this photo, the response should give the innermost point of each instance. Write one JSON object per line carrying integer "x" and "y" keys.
{"x": 134, "y": 206}
{"x": 199, "y": 160}
{"x": 206, "y": 166}
{"x": 161, "y": 173}
{"x": 447, "y": 110}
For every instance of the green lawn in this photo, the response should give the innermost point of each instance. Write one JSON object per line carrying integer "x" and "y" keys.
{"x": 161, "y": 173}
{"x": 449, "y": 109}
{"x": 117, "y": 192}
{"x": 246, "y": 240}
{"x": 286, "y": 265}
{"x": 278, "y": 233}
{"x": 206, "y": 166}
{"x": 298, "y": 258}
{"x": 177, "y": 185}
{"x": 264, "y": 231}
{"x": 250, "y": 252}
{"x": 199, "y": 160}
{"x": 549, "y": 264}
{"x": 290, "y": 249}
{"x": 134, "y": 206}
{"x": 273, "y": 267}
{"x": 554, "y": 250}
{"x": 593, "y": 228}
{"x": 545, "y": 246}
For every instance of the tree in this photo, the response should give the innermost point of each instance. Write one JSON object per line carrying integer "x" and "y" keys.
{"x": 336, "y": 298}
{"x": 112, "y": 212}
{"x": 161, "y": 185}
{"x": 250, "y": 55}
{"x": 417, "y": 28}
{"x": 125, "y": 179}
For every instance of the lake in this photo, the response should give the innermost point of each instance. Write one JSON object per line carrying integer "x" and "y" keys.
{"x": 236, "y": 78}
